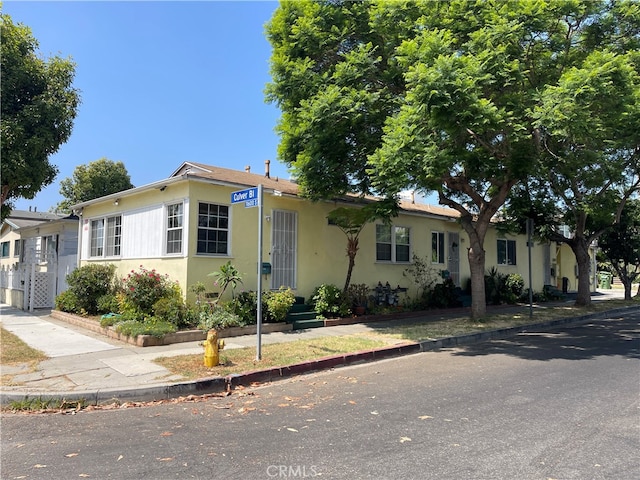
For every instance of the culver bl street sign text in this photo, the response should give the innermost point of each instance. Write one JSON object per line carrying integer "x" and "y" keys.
{"x": 249, "y": 196}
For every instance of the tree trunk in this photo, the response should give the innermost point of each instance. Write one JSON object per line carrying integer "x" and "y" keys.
{"x": 476, "y": 256}
{"x": 627, "y": 289}
{"x": 352, "y": 251}
{"x": 581, "y": 251}
{"x": 352, "y": 262}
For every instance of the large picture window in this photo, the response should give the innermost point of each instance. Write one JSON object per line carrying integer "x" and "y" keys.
{"x": 105, "y": 237}
{"x": 437, "y": 247}
{"x": 393, "y": 244}
{"x": 213, "y": 229}
{"x": 506, "y": 252}
{"x": 174, "y": 228}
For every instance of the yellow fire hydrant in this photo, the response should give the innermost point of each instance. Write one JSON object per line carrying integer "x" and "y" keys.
{"x": 212, "y": 347}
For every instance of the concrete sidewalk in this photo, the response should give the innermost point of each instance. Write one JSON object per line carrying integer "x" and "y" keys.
{"x": 84, "y": 364}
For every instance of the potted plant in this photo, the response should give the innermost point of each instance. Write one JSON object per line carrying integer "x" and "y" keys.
{"x": 358, "y": 295}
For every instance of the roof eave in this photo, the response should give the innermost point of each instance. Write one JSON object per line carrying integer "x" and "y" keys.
{"x": 125, "y": 193}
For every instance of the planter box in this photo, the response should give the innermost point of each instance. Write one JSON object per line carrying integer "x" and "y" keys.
{"x": 168, "y": 339}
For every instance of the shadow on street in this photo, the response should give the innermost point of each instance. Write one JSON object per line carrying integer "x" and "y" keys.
{"x": 610, "y": 336}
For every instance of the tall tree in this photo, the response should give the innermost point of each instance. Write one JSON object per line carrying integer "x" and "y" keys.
{"x": 465, "y": 129}
{"x": 620, "y": 245}
{"x": 38, "y": 106}
{"x": 96, "y": 179}
{"x": 456, "y": 84}
{"x": 590, "y": 126}
{"x": 336, "y": 80}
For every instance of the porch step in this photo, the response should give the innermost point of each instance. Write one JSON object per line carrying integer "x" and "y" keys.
{"x": 293, "y": 317}
{"x": 311, "y": 323}
{"x": 301, "y": 316}
{"x": 299, "y": 308}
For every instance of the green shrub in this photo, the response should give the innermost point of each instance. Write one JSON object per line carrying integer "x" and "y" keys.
{"x": 199, "y": 289}
{"x": 329, "y": 301}
{"x": 218, "y": 318}
{"x": 424, "y": 276}
{"x": 501, "y": 288}
{"x": 107, "y": 303}
{"x": 67, "y": 301}
{"x": 172, "y": 307}
{"x": 358, "y": 294}
{"x": 494, "y": 288}
{"x": 245, "y": 306}
{"x": 90, "y": 282}
{"x": 149, "y": 326}
{"x": 515, "y": 283}
{"x": 278, "y": 304}
{"x": 444, "y": 295}
{"x": 143, "y": 289}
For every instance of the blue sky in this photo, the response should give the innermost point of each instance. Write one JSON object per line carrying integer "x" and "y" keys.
{"x": 161, "y": 83}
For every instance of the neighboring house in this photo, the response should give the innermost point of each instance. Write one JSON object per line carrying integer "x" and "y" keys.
{"x": 567, "y": 268}
{"x": 186, "y": 226}
{"x": 38, "y": 250}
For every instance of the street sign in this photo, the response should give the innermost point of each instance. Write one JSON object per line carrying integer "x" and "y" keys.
{"x": 252, "y": 197}
{"x": 249, "y": 196}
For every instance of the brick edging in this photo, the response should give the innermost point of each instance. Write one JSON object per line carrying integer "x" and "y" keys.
{"x": 168, "y": 339}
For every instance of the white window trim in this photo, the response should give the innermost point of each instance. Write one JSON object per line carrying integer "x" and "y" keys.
{"x": 183, "y": 228}
{"x": 394, "y": 245}
{"x": 441, "y": 237}
{"x": 105, "y": 220}
{"x": 506, "y": 251}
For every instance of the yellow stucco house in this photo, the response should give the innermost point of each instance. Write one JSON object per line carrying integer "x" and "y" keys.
{"x": 188, "y": 225}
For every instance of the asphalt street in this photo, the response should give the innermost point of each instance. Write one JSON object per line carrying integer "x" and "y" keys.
{"x": 563, "y": 404}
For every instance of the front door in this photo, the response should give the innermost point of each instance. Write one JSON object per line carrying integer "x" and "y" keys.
{"x": 284, "y": 234}
{"x": 453, "y": 257}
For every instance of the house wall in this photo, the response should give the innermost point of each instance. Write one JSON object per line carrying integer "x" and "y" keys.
{"x": 568, "y": 267}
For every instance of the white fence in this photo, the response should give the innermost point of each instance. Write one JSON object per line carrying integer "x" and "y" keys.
{"x": 36, "y": 282}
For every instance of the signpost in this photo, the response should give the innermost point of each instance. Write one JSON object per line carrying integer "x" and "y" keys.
{"x": 252, "y": 197}
{"x": 530, "y": 227}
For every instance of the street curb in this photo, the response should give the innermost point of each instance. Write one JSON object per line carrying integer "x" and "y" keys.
{"x": 227, "y": 383}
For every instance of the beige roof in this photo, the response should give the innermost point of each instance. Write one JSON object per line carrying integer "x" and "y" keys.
{"x": 241, "y": 178}
{"x": 429, "y": 209}
{"x": 236, "y": 177}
